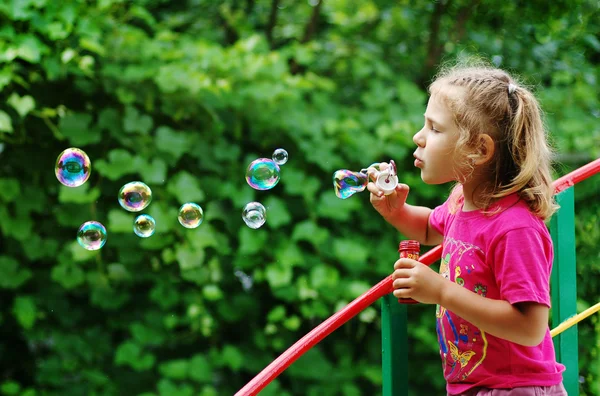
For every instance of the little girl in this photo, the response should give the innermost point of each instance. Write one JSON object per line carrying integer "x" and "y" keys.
{"x": 485, "y": 132}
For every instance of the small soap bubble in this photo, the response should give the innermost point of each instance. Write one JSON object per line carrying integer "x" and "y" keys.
{"x": 262, "y": 174}
{"x": 347, "y": 183}
{"x": 144, "y": 226}
{"x": 91, "y": 235}
{"x": 190, "y": 215}
{"x": 72, "y": 167}
{"x": 254, "y": 215}
{"x": 280, "y": 156}
{"x": 135, "y": 196}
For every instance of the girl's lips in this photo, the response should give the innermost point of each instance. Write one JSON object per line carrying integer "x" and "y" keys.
{"x": 418, "y": 163}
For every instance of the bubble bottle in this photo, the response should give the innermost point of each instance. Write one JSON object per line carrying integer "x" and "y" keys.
{"x": 409, "y": 249}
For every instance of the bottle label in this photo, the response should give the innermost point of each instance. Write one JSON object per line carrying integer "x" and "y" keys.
{"x": 409, "y": 255}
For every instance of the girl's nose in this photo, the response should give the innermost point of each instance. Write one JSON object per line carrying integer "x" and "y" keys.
{"x": 418, "y": 139}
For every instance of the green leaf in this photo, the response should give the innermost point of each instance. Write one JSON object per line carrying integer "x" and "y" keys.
{"x": 310, "y": 232}
{"x": 23, "y": 105}
{"x": 68, "y": 275}
{"x": 176, "y": 369}
{"x": 5, "y": 123}
{"x": 6, "y": 77}
{"x": 278, "y": 213}
{"x": 172, "y": 142}
{"x": 277, "y": 314}
{"x": 154, "y": 172}
{"x": 25, "y": 311}
{"x": 120, "y": 221}
{"x": 200, "y": 370}
{"x": 278, "y": 275}
{"x": 356, "y": 288}
{"x": 11, "y": 276}
{"x": 232, "y": 357}
{"x": 351, "y": 252}
{"x": 212, "y": 293}
{"x": 251, "y": 241}
{"x": 79, "y": 195}
{"x": 76, "y": 128}
{"x": 136, "y": 122}
{"x": 185, "y": 188}
{"x": 130, "y": 354}
{"x": 324, "y": 277}
{"x": 120, "y": 163}
{"x": 189, "y": 258}
{"x": 331, "y": 207}
{"x": 10, "y": 388}
{"x": 10, "y": 189}
{"x": 79, "y": 254}
{"x": 31, "y": 49}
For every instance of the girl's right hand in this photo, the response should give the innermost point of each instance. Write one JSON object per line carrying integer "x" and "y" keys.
{"x": 386, "y": 205}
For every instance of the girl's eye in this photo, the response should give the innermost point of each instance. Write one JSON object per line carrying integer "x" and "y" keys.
{"x": 435, "y": 130}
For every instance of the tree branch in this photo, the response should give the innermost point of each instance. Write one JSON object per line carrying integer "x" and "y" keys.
{"x": 311, "y": 27}
{"x": 272, "y": 22}
{"x": 463, "y": 17}
{"x": 250, "y": 6}
{"x": 434, "y": 48}
{"x": 309, "y": 31}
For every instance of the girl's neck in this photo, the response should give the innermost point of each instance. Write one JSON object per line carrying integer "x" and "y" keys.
{"x": 472, "y": 192}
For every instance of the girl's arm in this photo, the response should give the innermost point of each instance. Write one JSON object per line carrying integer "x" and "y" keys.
{"x": 413, "y": 222}
{"x": 523, "y": 323}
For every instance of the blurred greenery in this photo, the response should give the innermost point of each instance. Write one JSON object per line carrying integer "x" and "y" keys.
{"x": 183, "y": 95}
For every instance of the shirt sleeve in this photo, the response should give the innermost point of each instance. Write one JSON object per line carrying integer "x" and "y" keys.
{"x": 522, "y": 260}
{"x": 438, "y": 217}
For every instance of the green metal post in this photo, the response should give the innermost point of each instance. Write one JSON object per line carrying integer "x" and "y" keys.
{"x": 564, "y": 288}
{"x": 394, "y": 345}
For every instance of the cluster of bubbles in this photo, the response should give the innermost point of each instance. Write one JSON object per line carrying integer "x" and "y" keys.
{"x": 262, "y": 174}
{"x": 73, "y": 168}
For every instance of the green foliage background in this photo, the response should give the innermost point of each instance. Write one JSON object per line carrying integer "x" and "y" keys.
{"x": 183, "y": 95}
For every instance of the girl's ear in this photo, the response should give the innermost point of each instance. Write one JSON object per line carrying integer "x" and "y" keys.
{"x": 486, "y": 149}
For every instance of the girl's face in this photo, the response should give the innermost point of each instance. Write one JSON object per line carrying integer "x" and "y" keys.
{"x": 436, "y": 143}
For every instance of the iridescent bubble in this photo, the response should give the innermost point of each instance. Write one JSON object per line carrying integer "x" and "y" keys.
{"x": 73, "y": 167}
{"x": 262, "y": 174}
{"x": 254, "y": 215}
{"x": 190, "y": 215}
{"x": 135, "y": 196}
{"x": 347, "y": 183}
{"x": 280, "y": 156}
{"x": 144, "y": 226}
{"x": 91, "y": 235}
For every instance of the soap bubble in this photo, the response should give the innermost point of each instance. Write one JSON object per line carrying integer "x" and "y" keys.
{"x": 135, "y": 196}
{"x": 254, "y": 215}
{"x": 91, "y": 235}
{"x": 73, "y": 167}
{"x": 262, "y": 174}
{"x": 144, "y": 226}
{"x": 190, "y": 215}
{"x": 280, "y": 156}
{"x": 347, "y": 183}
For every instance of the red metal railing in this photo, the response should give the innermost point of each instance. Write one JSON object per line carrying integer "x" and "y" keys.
{"x": 384, "y": 287}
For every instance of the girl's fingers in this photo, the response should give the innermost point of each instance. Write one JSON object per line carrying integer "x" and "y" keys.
{"x": 374, "y": 190}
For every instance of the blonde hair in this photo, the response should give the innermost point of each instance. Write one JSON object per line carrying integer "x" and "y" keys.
{"x": 487, "y": 100}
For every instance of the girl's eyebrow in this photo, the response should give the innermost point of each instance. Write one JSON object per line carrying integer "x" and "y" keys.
{"x": 431, "y": 120}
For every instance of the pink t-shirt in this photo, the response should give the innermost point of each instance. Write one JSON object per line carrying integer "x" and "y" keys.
{"x": 505, "y": 256}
